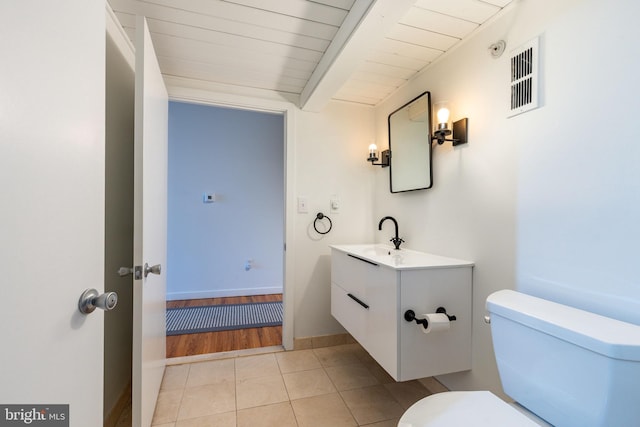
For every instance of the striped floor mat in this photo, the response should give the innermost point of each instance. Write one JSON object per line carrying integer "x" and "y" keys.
{"x": 193, "y": 320}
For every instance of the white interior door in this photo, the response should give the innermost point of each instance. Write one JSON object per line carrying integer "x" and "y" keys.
{"x": 150, "y": 228}
{"x": 52, "y": 127}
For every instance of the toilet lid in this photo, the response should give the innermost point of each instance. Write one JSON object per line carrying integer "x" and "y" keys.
{"x": 463, "y": 408}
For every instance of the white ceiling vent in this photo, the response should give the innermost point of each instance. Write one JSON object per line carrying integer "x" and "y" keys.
{"x": 524, "y": 78}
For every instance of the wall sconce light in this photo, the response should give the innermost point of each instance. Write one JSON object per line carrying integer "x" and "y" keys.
{"x": 373, "y": 156}
{"x": 459, "y": 133}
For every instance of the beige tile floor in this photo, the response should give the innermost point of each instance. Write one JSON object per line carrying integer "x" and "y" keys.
{"x": 330, "y": 386}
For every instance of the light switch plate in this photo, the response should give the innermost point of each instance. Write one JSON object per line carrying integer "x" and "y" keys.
{"x": 303, "y": 204}
{"x": 334, "y": 204}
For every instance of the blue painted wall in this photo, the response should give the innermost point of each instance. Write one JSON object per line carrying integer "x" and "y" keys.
{"x": 239, "y": 155}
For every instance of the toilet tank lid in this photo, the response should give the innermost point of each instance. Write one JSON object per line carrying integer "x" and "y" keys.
{"x": 609, "y": 337}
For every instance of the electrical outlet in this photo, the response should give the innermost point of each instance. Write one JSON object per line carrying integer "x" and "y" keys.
{"x": 209, "y": 197}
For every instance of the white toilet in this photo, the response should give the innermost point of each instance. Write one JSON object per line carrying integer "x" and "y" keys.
{"x": 565, "y": 366}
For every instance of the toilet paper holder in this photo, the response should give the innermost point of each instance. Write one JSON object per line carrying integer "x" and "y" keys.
{"x": 410, "y": 316}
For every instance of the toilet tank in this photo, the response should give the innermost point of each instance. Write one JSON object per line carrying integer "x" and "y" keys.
{"x": 568, "y": 366}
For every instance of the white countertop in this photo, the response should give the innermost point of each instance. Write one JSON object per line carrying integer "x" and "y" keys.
{"x": 402, "y": 259}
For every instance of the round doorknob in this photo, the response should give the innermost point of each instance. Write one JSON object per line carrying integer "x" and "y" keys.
{"x": 91, "y": 299}
{"x": 155, "y": 269}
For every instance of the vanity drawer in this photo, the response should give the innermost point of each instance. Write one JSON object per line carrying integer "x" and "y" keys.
{"x": 351, "y": 314}
{"x": 351, "y": 273}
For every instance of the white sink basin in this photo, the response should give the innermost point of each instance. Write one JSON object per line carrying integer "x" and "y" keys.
{"x": 401, "y": 259}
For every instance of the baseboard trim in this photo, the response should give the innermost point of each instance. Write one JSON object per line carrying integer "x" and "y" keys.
{"x": 172, "y": 296}
{"x": 111, "y": 419}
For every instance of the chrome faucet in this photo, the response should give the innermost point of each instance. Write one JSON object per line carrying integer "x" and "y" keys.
{"x": 396, "y": 240}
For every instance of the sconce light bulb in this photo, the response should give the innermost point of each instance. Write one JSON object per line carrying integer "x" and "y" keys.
{"x": 443, "y": 115}
{"x": 373, "y": 153}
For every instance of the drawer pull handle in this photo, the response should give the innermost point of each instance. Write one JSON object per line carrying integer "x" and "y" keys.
{"x": 358, "y": 301}
{"x": 363, "y": 260}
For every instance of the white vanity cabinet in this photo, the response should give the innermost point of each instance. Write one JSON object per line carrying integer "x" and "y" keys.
{"x": 372, "y": 287}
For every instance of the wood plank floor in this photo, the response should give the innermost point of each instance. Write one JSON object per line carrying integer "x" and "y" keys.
{"x": 215, "y": 342}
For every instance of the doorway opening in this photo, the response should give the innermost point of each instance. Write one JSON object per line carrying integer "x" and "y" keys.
{"x": 226, "y": 221}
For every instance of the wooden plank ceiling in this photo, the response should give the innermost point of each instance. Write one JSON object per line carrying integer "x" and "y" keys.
{"x": 271, "y": 48}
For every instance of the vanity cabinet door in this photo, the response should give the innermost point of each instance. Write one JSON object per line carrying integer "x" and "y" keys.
{"x": 423, "y": 291}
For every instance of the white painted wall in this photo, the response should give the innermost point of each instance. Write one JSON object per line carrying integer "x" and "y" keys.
{"x": 330, "y": 159}
{"x": 239, "y": 155}
{"x": 579, "y": 174}
{"x": 546, "y": 202}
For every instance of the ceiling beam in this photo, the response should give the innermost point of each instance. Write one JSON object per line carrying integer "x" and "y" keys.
{"x": 364, "y": 27}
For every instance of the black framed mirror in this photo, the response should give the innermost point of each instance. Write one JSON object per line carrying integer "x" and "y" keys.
{"x": 410, "y": 145}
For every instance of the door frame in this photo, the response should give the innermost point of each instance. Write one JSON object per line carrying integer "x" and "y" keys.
{"x": 288, "y": 111}
{"x": 118, "y": 324}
